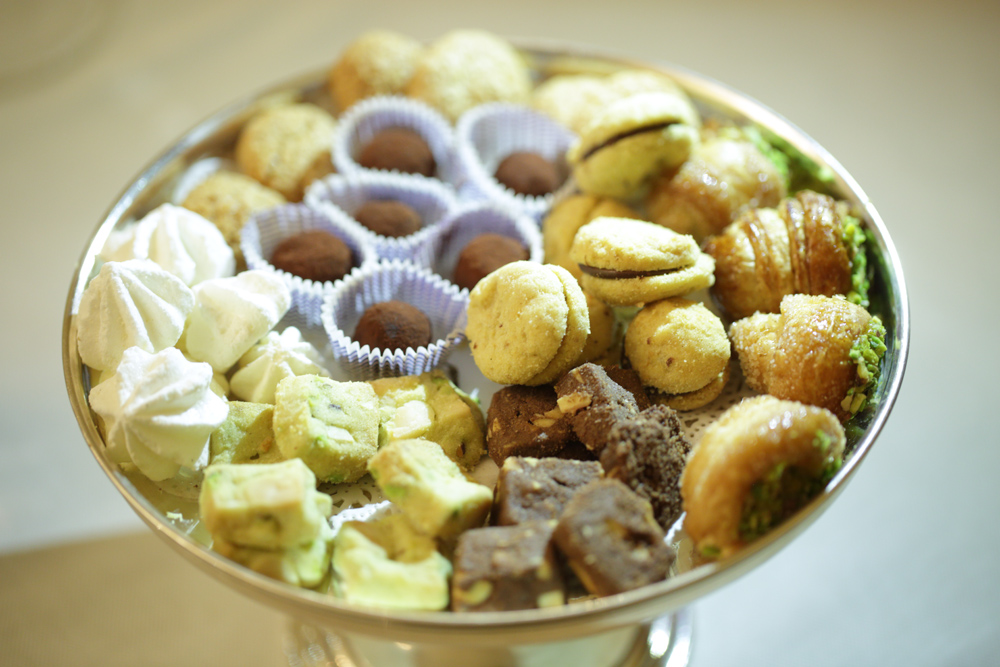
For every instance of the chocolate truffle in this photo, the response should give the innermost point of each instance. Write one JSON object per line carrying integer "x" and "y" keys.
{"x": 388, "y": 218}
{"x": 528, "y": 174}
{"x": 314, "y": 255}
{"x": 393, "y": 325}
{"x": 400, "y": 149}
{"x": 485, "y": 254}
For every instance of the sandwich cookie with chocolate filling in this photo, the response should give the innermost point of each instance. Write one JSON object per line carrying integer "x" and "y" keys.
{"x": 629, "y": 262}
{"x": 527, "y": 323}
{"x": 631, "y": 142}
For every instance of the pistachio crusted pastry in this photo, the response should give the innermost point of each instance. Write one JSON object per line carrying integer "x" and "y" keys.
{"x": 819, "y": 350}
{"x": 809, "y": 244}
{"x": 759, "y": 463}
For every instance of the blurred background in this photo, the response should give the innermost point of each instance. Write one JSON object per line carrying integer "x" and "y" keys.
{"x": 903, "y": 569}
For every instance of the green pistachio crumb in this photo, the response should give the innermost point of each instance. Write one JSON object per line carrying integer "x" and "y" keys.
{"x": 856, "y": 238}
{"x": 867, "y": 353}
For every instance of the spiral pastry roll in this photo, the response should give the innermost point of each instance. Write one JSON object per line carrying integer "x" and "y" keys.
{"x": 763, "y": 459}
{"x": 808, "y": 244}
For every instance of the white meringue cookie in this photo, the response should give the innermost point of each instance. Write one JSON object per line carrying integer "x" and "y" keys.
{"x": 274, "y": 358}
{"x": 231, "y": 314}
{"x": 134, "y": 303}
{"x": 181, "y": 241}
{"x": 158, "y": 411}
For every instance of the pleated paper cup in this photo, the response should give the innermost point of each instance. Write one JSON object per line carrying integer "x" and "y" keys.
{"x": 489, "y": 133}
{"x": 364, "y": 120}
{"x": 443, "y": 303}
{"x": 265, "y": 230}
{"x": 340, "y": 195}
{"x": 475, "y": 219}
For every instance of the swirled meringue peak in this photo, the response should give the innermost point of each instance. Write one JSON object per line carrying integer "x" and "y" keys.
{"x": 134, "y": 303}
{"x": 181, "y": 241}
{"x": 231, "y": 314}
{"x": 274, "y": 358}
{"x": 158, "y": 411}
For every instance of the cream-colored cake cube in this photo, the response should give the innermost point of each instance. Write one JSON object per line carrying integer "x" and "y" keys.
{"x": 332, "y": 426}
{"x": 386, "y": 563}
{"x": 270, "y": 506}
{"x": 429, "y": 488}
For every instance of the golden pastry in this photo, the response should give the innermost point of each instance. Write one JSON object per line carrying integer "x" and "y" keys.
{"x": 758, "y": 464}
{"x": 820, "y": 350}
{"x": 809, "y": 244}
{"x": 722, "y": 177}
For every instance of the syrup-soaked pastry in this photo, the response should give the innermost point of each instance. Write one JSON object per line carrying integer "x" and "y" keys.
{"x": 722, "y": 177}
{"x": 761, "y": 461}
{"x": 808, "y": 244}
{"x": 593, "y": 402}
{"x": 819, "y": 350}
{"x": 503, "y": 568}
{"x": 647, "y": 453}
{"x": 611, "y": 540}
{"x": 533, "y": 489}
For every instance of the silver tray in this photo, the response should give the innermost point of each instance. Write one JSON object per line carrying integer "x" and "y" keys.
{"x": 620, "y": 629}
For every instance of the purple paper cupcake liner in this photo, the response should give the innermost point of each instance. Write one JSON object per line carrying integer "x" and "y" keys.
{"x": 367, "y": 118}
{"x": 266, "y": 229}
{"x": 340, "y": 195}
{"x": 472, "y": 220}
{"x": 344, "y": 303}
{"x": 487, "y": 134}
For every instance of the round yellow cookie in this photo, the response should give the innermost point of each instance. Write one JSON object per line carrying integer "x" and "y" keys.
{"x": 379, "y": 62}
{"x": 466, "y": 68}
{"x": 631, "y": 142}
{"x": 518, "y": 319}
{"x": 577, "y": 330}
{"x": 677, "y": 346}
{"x": 286, "y": 147}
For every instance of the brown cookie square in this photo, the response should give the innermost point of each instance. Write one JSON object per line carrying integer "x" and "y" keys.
{"x": 611, "y": 540}
{"x": 527, "y": 421}
{"x": 593, "y": 403}
{"x": 502, "y": 568}
{"x": 630, "y": 381}
{"x": 530, "y": 489}
{"x": 647, "y": 452}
